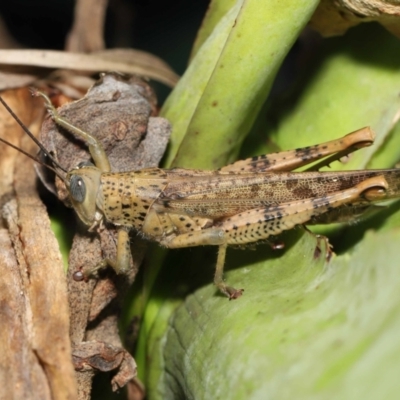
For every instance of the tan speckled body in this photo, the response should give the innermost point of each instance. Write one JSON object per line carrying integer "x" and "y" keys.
{"x": 242, "y": 203}
{"x": 139, "y": 199}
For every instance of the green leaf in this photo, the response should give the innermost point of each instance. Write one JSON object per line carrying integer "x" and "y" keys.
{"x": 214, "y": 105}
{"x": 216, "y": 11}
{"x": 353, "y": 83}
{"x": 303, "y": 329}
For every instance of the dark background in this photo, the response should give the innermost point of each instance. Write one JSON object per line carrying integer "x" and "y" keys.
{"x": 156, "y": 26}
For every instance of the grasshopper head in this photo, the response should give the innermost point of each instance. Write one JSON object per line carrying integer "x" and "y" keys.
{"x": 83, "y": 187}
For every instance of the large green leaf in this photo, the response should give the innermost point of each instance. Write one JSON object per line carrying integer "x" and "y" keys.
{"x": 304, "y": 329}
{"x": 353, "y": 82}
{"x": 214, "y": 105}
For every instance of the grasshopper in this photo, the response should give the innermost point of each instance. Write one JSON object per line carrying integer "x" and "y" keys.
{"x": 243, "y": 203}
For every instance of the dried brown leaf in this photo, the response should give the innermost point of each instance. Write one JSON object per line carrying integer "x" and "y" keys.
{"x": 334, "y": 17}
{"x": 86, "y": 34}
{"x": 35, "y": 359}
{"x": 131, "y": 62}
{"x": 6, "y": 40}
{"x": 9, "y": 80}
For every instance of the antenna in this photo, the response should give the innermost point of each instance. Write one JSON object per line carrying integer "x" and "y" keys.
{"x": 30, "y": 134}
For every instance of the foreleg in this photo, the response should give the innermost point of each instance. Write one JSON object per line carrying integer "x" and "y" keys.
{"x": 95, "y": 147}
{"x": 120, "y": 264}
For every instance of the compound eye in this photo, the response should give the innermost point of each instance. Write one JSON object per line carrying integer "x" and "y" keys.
{"x": 77, "y": 188}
